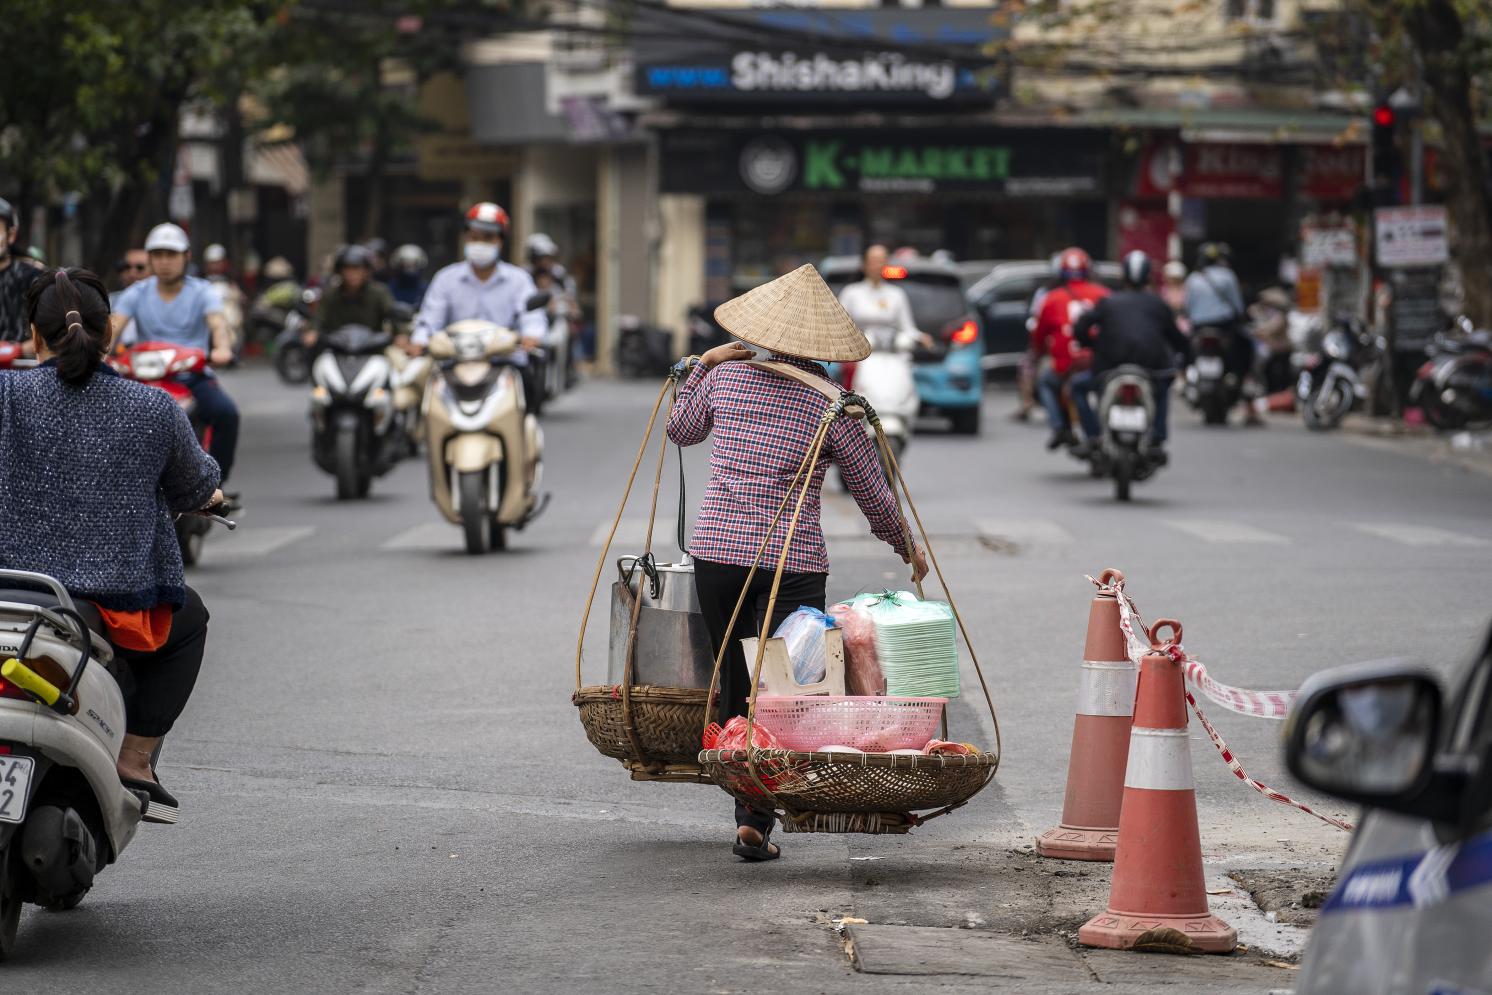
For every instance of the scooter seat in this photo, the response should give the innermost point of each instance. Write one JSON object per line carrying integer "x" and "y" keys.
{"x": 46, "y": 599}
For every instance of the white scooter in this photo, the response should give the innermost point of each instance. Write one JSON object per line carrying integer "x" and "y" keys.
{"x": 885, "y": 379}
{"x": 64, "y": 815}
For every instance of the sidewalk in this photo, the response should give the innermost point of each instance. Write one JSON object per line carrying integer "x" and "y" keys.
{"x": 1470, "y": 450}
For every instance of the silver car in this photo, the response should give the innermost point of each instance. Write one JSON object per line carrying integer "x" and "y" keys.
{"x": 1412, "y": 909}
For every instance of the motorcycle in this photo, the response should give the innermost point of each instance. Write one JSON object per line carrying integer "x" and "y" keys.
{"x": 13, "y": 357}
{"x": 1210, "y": 388}
{"x": 1454, "y": 387}
{"x": 485, "y": 448}
{"x": 1126, "y": 410}
{"x": 356, "y": 431}
{"x": 1330, "y": 380}
{"x": 167, "y": 365}
{"x": 64, "y": 815}
{"x": 885, "y": 379}
{"x": 292, "y": 358}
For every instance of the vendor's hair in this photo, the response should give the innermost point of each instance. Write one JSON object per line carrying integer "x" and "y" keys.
{"x": 70, "y": 309}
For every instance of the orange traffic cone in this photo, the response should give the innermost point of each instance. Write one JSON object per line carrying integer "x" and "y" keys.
{"x": 1100, "y": 738}
{"x": 1158, "y": 881}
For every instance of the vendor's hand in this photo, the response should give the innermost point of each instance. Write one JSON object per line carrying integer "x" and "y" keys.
{"x": 725, "y": 354}
{"x": 532, "y": 342}
{"x": 918, "y": 562}
{"x": 217, "y": 499}
{"x": 220, "y": 356}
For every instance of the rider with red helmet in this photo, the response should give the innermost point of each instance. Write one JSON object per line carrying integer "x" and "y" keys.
{"x": 1052, "y": 337}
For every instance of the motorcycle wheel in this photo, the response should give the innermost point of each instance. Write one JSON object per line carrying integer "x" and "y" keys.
{"x": 476, "y": 519}
{"x": 1214, "y": 409}
{"x": 965, "y": 421}
{"x": 1322, "y": 417}
{"x": 1441, "y": 415}
{"x": 292, "y": 364}
{"x": 190, "y": 541}
{"x": 1122, "y": 468}
{"x": 10, "y": 898}
{"x": 68, "y": 902}
{"x": 350, "y": 483}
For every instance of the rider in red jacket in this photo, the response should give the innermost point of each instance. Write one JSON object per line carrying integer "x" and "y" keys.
{"x": 1052, "y": 337}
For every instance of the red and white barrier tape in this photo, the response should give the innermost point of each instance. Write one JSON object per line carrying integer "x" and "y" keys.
{"x": 1263, "y": 704}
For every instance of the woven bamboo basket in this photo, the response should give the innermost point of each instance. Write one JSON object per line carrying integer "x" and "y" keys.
{"x": 851, "y": 793}
{"x": 665, "y": 723}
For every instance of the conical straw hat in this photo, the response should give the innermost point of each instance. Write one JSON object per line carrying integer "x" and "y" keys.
{"x": 795, "y": 315}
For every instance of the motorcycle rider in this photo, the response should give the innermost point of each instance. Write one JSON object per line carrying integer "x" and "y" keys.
{"x": 353, "y": 297}
{"x": 219, "y": 272}
{"x": 483, "y": 286}
{"x": 17, "y": 273}
{"x": 65, "y": 427}
{"x": 1214, "y": 299}
{"x": 1052, "y": 336}
{"x": 1134, "y": 326}
{"x": 173, "y": 307}
{"x": 408, "y": 282}
{"x": 879, "y": 308}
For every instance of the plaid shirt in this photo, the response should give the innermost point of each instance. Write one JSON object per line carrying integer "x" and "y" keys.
{"x": 764, "y": 425}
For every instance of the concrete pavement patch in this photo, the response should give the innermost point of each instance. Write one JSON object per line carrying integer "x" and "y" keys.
{"x": 928, "y": 950}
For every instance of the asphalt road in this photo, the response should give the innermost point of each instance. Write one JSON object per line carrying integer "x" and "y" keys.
{"x": 385, "y": 788}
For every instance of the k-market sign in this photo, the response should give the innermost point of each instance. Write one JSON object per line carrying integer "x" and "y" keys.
{"x": 796, "y": 75}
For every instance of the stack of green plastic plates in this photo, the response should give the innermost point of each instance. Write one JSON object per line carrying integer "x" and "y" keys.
{"x": 917, "y": 642}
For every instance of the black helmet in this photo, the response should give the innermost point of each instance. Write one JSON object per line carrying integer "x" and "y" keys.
{"x": 7, "y": 213}
{"x": 1213, "y": 254}
{"x": 1136, "y": 269}
{"x": 353, "y": 255}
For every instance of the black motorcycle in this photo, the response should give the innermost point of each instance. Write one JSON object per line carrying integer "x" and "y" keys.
{"x": 1126, "y": 410}
{"x": 1331, "y": 379}
{"x": 1454, "y": 387}
{"x": 292, "y": 358}
{"x": 1210, "y": 387}
{"x": 355, "y": 430}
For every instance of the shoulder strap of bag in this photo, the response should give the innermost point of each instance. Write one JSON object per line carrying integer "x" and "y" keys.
{"x": 1222, "y": 293}
{"x": 832, "y": 391}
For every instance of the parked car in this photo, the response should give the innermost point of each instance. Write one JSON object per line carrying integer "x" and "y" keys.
{"x": 1412, "y": 908}
{"x": 1001, "y": 303}
{"x": 950, "y": 376}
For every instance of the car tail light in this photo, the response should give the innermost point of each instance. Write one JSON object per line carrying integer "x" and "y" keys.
{"x": 964, "y": 332}
{"x": 893, "y": 272}
{"x": 1129, "y": 394}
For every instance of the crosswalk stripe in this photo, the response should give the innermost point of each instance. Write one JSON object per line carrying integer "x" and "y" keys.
{"x": 252, "y": 541}
{"x": 1420, "y": 535}
{"x": 1220, "y": 531}
{"x": 429, "y": 535}
{"x": 1024, "y": 531}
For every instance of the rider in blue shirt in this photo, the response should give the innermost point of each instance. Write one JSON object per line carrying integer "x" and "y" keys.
{"x": 186, "y": 310}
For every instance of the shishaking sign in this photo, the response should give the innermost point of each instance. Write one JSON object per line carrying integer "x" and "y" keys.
{"x": 772, "y": 76}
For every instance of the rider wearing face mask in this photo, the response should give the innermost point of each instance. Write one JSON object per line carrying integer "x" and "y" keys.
{"x": 482, "y": 285}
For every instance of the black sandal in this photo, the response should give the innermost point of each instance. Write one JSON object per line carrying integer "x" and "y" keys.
{"x": 761, "y": 851}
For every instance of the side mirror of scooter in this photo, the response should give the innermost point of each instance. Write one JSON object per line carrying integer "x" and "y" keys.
{"x": 538, "y": 301}
{"x": 440, "y": 346}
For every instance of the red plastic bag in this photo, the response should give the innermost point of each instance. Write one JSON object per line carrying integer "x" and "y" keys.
{"x": 862, "y": 666}
{"x": 733, "y": 736}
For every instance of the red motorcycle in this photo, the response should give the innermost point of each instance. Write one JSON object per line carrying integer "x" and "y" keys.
{"x": 167, "y": 365}
{"x": 13, "y": 357}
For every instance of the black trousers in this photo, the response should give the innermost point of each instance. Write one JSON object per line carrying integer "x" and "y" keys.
{"x": 718, "y": 586}
{"x": 158, "y": 683}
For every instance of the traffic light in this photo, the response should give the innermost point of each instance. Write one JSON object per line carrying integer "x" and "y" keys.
{"x": 1387, "y": 164}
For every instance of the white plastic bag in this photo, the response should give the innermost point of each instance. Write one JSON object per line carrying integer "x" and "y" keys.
{"x": 803, "y": 631}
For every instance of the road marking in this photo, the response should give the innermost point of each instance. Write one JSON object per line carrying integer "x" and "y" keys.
{"x": 1420, "y": 535}
{"x": 257, "y": 541}
{"x": 1024, "y": 531}
{"x": 430, "y": 535}
{"x": 1217, "y": 531}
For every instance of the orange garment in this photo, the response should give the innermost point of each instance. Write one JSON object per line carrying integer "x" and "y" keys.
{"x": 141, "y": 631}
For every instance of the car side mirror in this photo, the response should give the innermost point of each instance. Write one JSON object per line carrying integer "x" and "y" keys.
{"x": 538, "y": 300}
{"x": 440, "y": 346}
{"x": 1371, "y": 734}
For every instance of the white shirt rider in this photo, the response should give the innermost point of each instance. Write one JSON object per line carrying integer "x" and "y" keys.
{"x": 881, "y": 309}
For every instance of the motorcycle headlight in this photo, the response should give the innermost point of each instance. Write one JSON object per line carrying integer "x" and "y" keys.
{"x": 1336, "y": 345}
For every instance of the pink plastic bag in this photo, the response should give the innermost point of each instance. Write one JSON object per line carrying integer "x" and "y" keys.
{"x": 862, "y": 667}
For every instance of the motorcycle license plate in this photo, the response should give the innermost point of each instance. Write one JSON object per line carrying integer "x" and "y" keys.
{"x": 15, "y": 787}
{"x": 1127, "y": 419}
{"x": 1210, "y": 366}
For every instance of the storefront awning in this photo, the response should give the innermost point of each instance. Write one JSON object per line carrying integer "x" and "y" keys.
{"x": 1239, "y": 125}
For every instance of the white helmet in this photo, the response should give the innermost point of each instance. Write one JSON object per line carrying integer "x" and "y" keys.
{"x": 169, "y": 237}
{"x": 409, "y": 257}
{"x": 540, "y": 245}
{"x": 214, "y": 253}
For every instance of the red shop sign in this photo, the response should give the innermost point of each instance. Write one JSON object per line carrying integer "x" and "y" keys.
{"x": 1227, "y": 171}
{"x": 1331, "y": 172}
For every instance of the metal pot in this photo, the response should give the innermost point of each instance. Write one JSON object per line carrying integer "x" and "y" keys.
{"x": 673, "y": 646}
